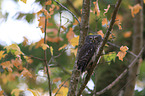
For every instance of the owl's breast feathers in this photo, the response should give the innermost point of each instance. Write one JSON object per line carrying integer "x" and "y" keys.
{"x": 85, "y": 55}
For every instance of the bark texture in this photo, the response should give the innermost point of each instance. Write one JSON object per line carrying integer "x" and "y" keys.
{"x": 83, "y": 33}
{"x": 137, "y": 45}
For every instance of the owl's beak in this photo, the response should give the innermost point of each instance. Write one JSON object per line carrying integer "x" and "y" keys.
{"x": 93, "y": 40}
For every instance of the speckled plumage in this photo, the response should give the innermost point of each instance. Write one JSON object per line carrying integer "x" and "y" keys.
{"x": 87, "y": 51}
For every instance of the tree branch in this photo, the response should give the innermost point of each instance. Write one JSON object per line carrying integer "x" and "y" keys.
{"x": 36, "y": 58}
{"x": 90, "y": 71}
{"x": 121, "y": 75}
{"x": 61, "y": 86}
{"x": 45, "y": 55}
{"x": 83, "y": 33}
{"x": 67, "y": 10}
{"x": 119, "y": 47}
{"x": 71, "y": 5}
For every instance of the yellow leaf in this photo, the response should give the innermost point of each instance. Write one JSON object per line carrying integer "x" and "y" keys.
{"x": 106, "y": 10}
{"x": 51, "y": 50}
{"x": 74, "y": 51}
{"x": 2, "y": 55}
{"x": 127, "y": 34}
{"x": 24, "y": 1}
{"x": 75, "y": 41}
{"x": 16, "y": 92}
{"x": 104, "y": 21}
{"x": 62, "y": 47}
{"x": 62, "y": 92}
{"x": 7, "y": 65}
{"x": 100, "y": 32}
{"x": 14, "y": 48}
{"x": 135, "y": 9}
{"x": 35, "y": 93}
{"x": 144, "y": 1}
{"x": 44, "y": 46}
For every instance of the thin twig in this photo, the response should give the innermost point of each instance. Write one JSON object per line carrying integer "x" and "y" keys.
{"x": 36, "y": 58}
{"x": 90, "y": 71}
{"x": 59, "y": 54}
{"x": 119, "y": 47}
{"x": 45, "y": 56}
{"x": 71, "y": 5}
{"x": 121, "y": 75}
{"x": 61, "y": 86}
{"x": 67, "y": 10}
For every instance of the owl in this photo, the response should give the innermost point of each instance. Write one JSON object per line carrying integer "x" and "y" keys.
{"x": 87, "y": 51}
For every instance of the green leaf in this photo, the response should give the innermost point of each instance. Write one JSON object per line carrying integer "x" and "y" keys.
{"x": 110, "y": 56}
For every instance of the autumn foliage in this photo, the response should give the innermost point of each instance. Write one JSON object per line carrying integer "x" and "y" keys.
{"x": 60, "y": 40}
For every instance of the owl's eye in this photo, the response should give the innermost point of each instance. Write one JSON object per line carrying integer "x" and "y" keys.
{"x": 96, "y": 38}
{"x": 90, "y": 38}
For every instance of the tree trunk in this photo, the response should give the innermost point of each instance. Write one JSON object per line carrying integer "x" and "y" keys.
{"x": 84, "y": 26}
{"x": 137, "y": 45}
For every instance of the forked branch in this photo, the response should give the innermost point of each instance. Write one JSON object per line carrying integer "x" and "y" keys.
{"x": 121, "y": 75}
{"x": 90, "y": 71}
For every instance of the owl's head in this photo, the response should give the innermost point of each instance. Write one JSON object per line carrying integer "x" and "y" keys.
{"x": 95, "y": 39}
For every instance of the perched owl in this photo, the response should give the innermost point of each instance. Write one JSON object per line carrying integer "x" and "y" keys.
{"x": 87, "y": 51}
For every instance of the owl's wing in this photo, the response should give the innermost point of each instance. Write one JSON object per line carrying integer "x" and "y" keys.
{"x": 85, "y": 55}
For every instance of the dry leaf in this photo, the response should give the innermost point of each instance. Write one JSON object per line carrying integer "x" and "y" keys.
{"x": 56, "y": 79}
{"x": 48, "y": 2}
{"x": 55, "y": 39}
{"x": 26, "y": 73}
{"x": 62, "y": 47}
{"x": 118, "y": 21}
{"x": 76, "y": 22}
{"x": 7, "y": 65}
{"x": 124, "y": 48}
{"x": 104, "y": 21}
{"x": 106, "y": 10}
{"x": 25, "y": 42}
{"x": 121, "y": 54}
{"x": 135, "y": 9}
{"x": 96, "y": 9}
{"x": 42, "y": 23}
{"x": 17, "y": 63}
{"x": 100, "y": 32}
{"x": 39, "y": 43}
{"x": 127, "y": 34}
{"x": 1, "y": 93}
{"x": 70, "y": 34}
